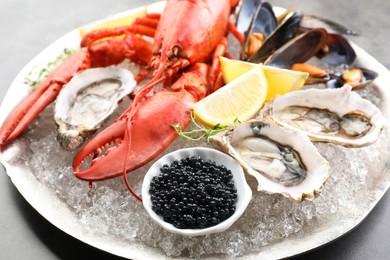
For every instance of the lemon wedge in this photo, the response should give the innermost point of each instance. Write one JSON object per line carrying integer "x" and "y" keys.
{"x": 280, "y": 81}
{"x": 112, "y": 22}
{"x": 238, "y": 100}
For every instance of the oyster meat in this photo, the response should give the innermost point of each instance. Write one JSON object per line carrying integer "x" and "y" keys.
{"x": 282, "y": 161}
{"x": 87, "y": 100}
{"x": 338, "y": 116}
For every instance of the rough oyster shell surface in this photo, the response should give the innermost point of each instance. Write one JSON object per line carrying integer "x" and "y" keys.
{"x": 339, "y": 116}
{"x": 87, "y": 100}
{"x": 282, "y": 161}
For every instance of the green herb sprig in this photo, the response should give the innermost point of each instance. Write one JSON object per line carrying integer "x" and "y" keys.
{"x": 200, "y": 132}
{"x": 35, "y": 77}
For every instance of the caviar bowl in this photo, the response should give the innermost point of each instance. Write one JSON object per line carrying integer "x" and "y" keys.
{"x": 244, "y": 192}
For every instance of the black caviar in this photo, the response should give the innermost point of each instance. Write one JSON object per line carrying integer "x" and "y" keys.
{"x": 193, "y": 193}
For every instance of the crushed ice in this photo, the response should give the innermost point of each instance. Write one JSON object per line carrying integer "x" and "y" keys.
{"x": 108, "y": 208}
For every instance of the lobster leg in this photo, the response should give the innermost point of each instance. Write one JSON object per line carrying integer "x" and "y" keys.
{"x": 143, "y": 26}
{"x": 29, "y": 108}
{"x": 215, "y": 66}
{"x": 103, "y": 53}
{"x": 239, "y": 36}
{"x": 147, "y": 133}
{"x": 150, "y": 20}
{"x": 114, "y": 51}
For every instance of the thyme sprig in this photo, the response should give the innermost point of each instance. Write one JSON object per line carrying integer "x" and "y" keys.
{"x": 199, "y": 132}
{"x": 36, "y": 75}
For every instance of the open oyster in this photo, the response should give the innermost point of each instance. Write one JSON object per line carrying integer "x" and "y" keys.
{"x": 339, "y": 116}
{"x": 87, "y": 100}
{"x": 282, "y": 161}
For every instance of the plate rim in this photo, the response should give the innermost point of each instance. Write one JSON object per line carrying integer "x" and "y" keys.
{"x": 120, "y": 248}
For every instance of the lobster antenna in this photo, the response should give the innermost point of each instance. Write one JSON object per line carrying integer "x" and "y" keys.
{"x": 131, "y": 111}
{"x": 125, "y": 172}
{"x": 140, "y": 95}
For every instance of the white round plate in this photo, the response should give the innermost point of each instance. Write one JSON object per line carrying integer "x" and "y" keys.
{"x": 59, "y": 212}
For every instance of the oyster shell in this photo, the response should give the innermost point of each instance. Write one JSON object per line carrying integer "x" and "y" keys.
{"x": 338, "y": 116}
{"x": 87, "y": 100}
{"x": 282, "y": 161}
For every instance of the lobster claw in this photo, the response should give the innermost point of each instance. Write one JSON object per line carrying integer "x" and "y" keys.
{"x": 111, "y": 136}
{"x": 150, "y": 133}
{"x": 45, "y": 93}
{"x": 146, "y": 134}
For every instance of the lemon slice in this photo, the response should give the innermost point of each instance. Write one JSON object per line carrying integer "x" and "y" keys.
{"x": 280, "y": 81}
{"x": 239, "y": 100}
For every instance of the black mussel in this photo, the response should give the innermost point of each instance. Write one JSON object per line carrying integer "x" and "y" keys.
{"x": 286, "y": 30}
{"x": 299, "y": 49}
{"x": 264, "y": 20}
{"x": 312, "y": 22}
{"x": 338, "y": 51}
{"x": 246, "y": 11}
{"x": 262, "y": 25}
{"x": 356, "y": 77}
{"x": 317, "y": 80}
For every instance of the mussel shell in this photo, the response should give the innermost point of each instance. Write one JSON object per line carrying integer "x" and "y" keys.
{"x": 338, "y": 82}
{"x": 298, "y": 50}
{"x": 286, "y": 30}
{"x": 263, "y": 21}
{"x": 339, "y": 51}
{"x": 312, "y": 22}
{"x": 317, "y": 80}
{"x": 247, "y": 10}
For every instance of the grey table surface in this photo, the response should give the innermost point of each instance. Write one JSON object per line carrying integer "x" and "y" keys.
{"x": 30, "y": 26}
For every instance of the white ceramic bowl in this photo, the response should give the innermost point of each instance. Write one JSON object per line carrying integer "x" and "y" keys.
{"x": 244, "y": 193}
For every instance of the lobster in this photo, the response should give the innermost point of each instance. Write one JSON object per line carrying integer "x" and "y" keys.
{"x": 46, "y": 91}
{"x": 188, "y": 36}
